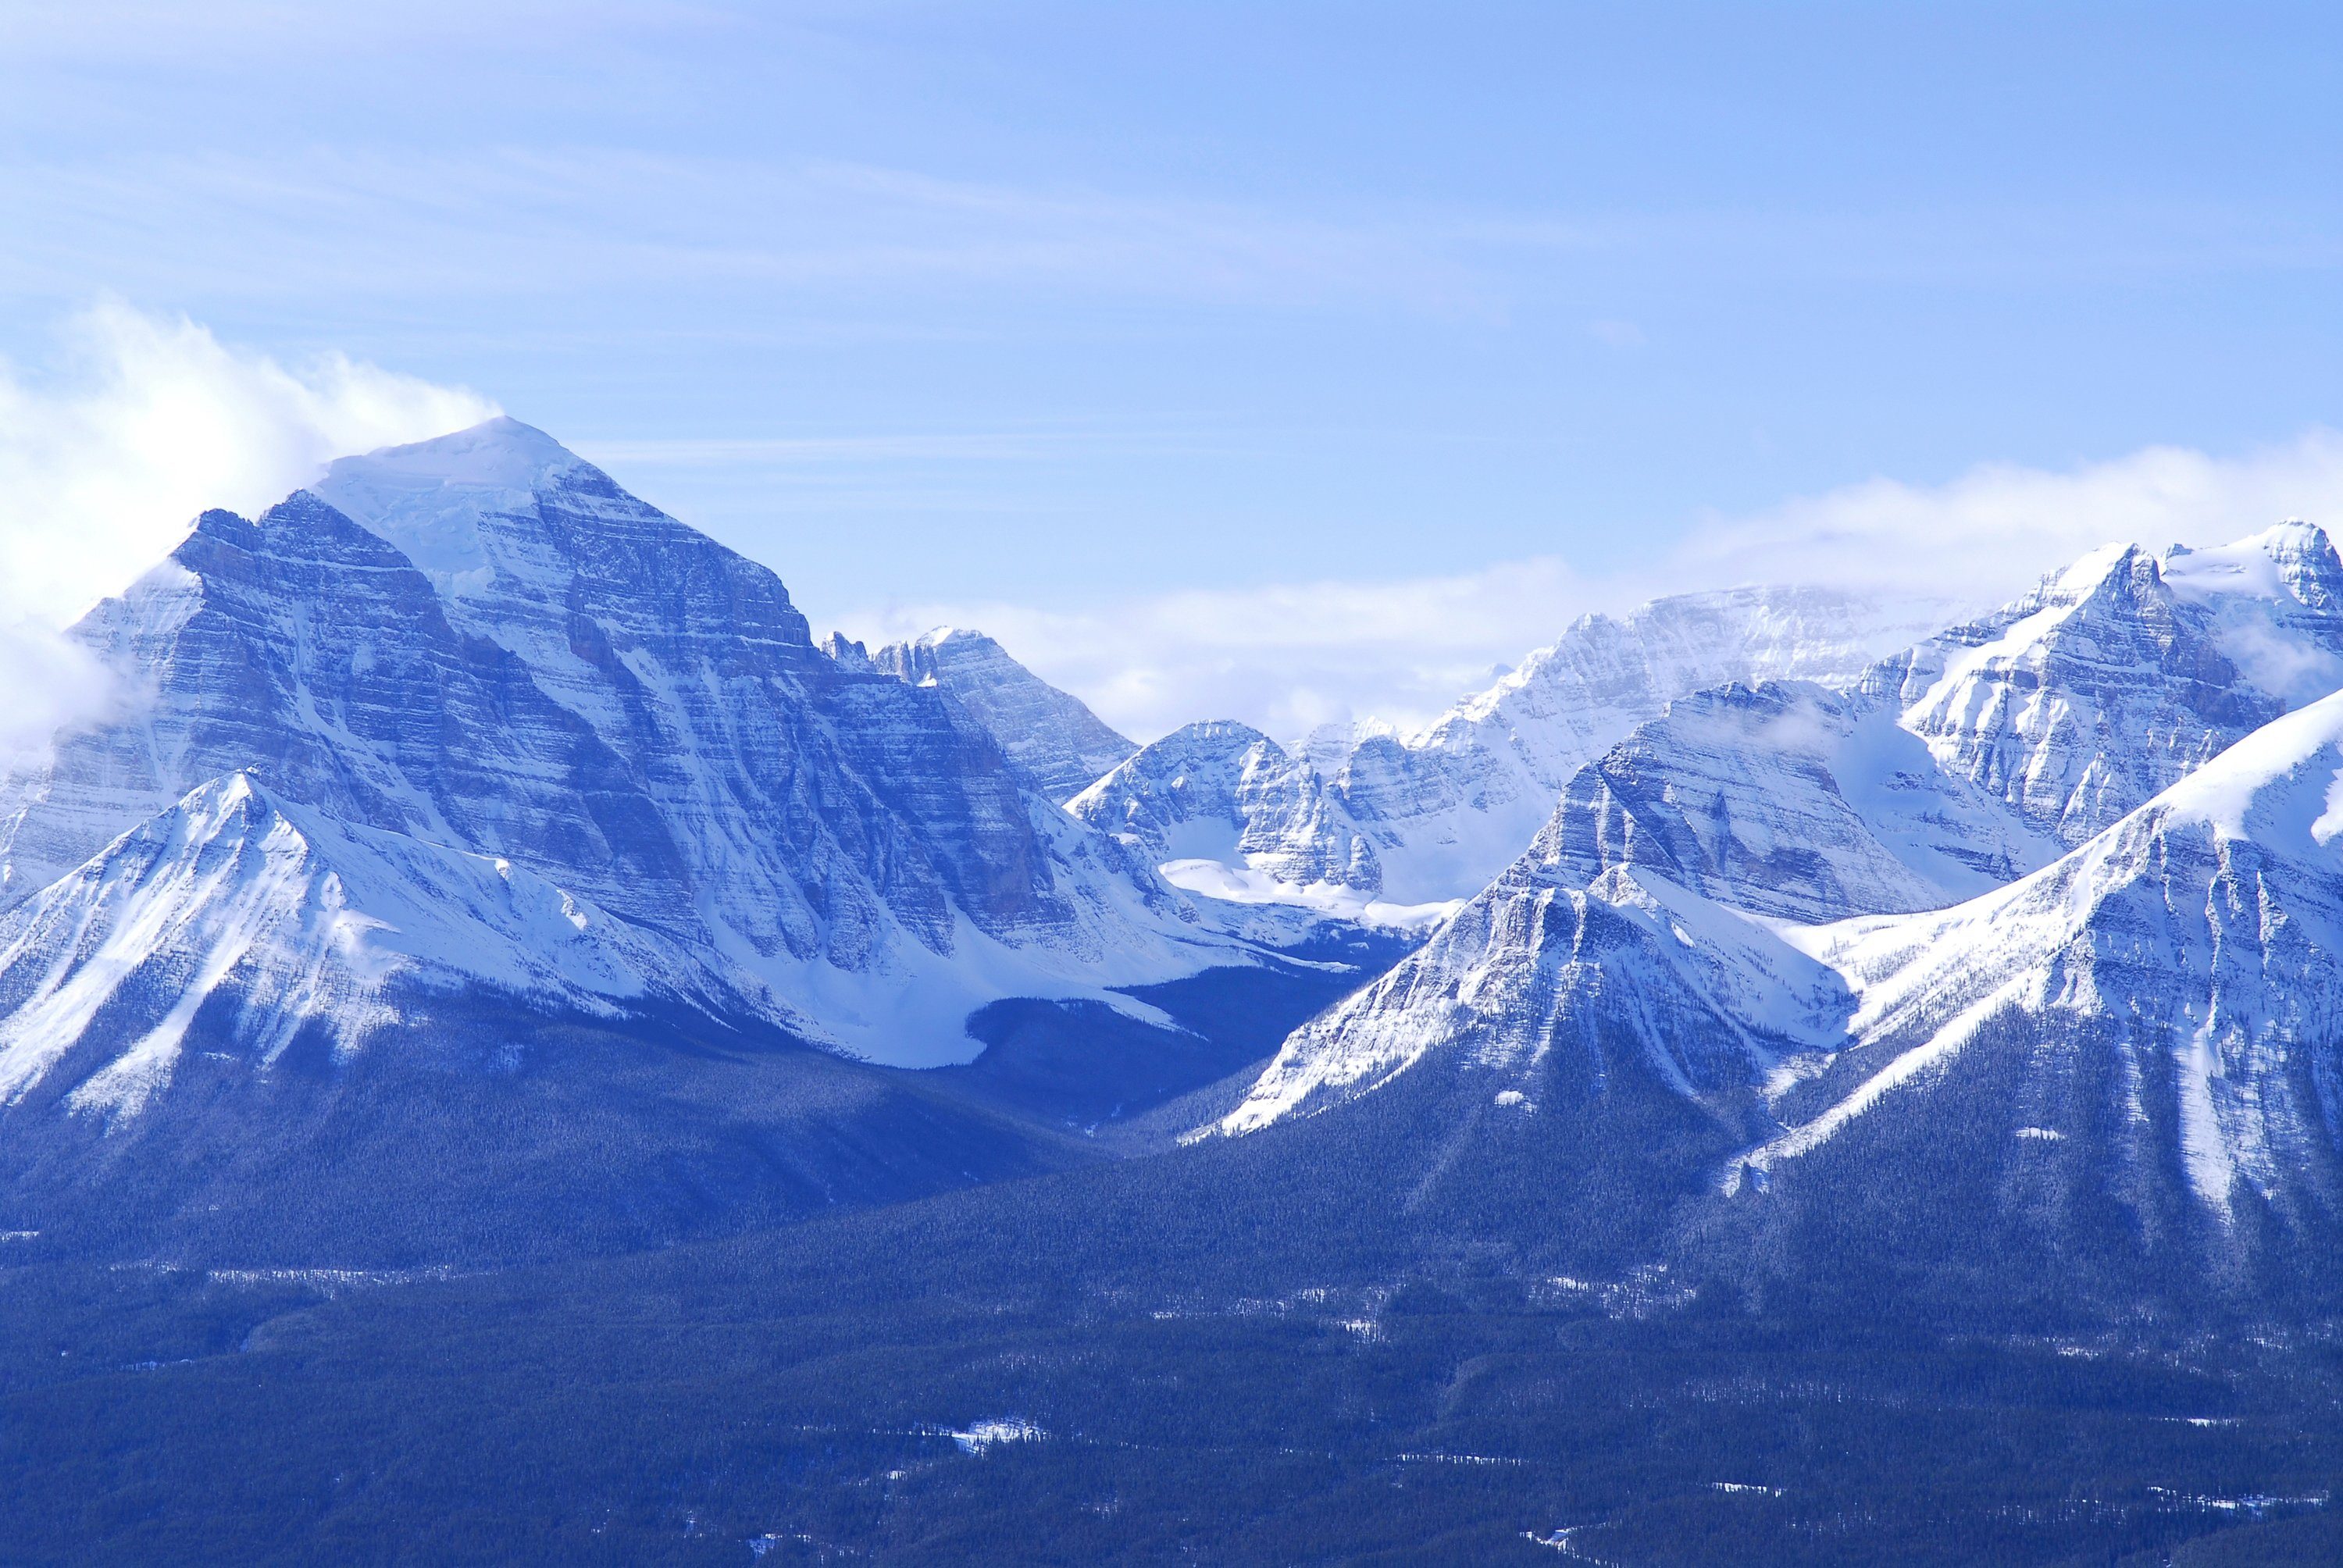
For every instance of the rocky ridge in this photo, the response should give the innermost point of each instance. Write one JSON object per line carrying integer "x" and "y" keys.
{"x": 1417, "y": 819}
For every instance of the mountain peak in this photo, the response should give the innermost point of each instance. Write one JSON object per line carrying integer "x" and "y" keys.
{"x": 501, "y": 454}
{"x": 431, "y": 497}
{"x": 2293, "y": 560}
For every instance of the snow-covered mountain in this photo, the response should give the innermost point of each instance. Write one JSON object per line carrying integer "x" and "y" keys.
{"x": 276, "y": 919}
{"x": 482, "y": 645}
{"x": 2144, "y": 1026}
{"x": 2167, "y": 998}
{"x": 2122, "y": 673}
{"x": 1048, "y": 732}
{"x": 1225, "y": 812}
{"x": 1418, "y": 818}
{"x": 1454, "y": 802}
{"x": 1225, "y": 791}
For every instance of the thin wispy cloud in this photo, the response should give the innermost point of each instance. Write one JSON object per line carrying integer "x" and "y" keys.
{"x": 510, "y": 220}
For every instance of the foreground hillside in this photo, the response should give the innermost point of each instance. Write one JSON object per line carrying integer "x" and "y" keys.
{"x": 1206, "y": 1356}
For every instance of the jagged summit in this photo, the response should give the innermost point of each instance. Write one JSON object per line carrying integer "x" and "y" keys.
{"x": 2120, "y": 674}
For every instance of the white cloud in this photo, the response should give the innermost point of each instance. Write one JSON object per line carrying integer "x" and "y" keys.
{"x": 1285, "y": 658}
{"x": 144, "y": 421}
{"x": 1987, "y": 536}
{"x": 141, "y": 422}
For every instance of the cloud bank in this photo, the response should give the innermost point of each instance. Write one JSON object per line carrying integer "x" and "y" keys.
{"x": 1288, "y": 657}
{"x": 109, "y": 451}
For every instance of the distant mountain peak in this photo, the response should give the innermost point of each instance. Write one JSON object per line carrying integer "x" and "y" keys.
{"x": 499, "y": 506}
{"x": 1049, "y": 733}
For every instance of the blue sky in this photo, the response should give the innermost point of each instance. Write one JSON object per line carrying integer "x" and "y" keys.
{"x": 1035, "y": 311}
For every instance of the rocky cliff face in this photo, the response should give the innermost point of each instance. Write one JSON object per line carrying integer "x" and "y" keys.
{"x": 1793, "y": 800}
{"x": 2123, "y": 673}
{"x": 1044, "y": 730}
{"x": 1964, "y": 763}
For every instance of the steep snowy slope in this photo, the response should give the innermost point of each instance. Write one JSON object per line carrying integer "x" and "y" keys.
{"x": 2168, "y": 997}
{"x": 1535, "y": 969}
{"x": 579, "y": 684}
{"x": 277, "y": 919}
{"x": 1043, "y": 729}
{"x": 2125, "y": 1069}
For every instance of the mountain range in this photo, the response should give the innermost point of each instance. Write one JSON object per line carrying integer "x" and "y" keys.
{"x": 2046, "y": 905}
{"x": 1413, "y": 818}
{"x": 464, "y": 767}
{"x": 512, "y": 1048}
